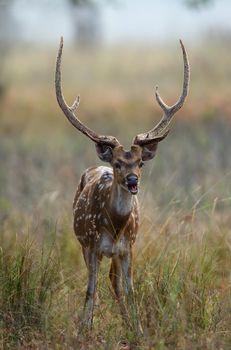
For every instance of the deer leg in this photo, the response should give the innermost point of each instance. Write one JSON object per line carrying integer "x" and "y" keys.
{"x": 86, "y": 258}
{"x": 92, "y": 261}
{"x": 126, "y": 264}
{"x": 115, "y": 277}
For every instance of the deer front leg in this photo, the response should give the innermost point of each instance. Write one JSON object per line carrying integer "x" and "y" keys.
{"x": 126, "y": 264}
{"x": 115, "y": 277}
{"x": 92, "y": 261}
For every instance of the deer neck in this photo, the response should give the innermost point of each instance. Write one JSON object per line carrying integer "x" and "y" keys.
{"x": 121, "y": 201}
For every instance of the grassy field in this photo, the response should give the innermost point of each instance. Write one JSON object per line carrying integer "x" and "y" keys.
{"x": 182, "y": 254}
{"x": 182, "y": 283}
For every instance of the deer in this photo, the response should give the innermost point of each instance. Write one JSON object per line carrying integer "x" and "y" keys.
{"x": 105, "y": 207}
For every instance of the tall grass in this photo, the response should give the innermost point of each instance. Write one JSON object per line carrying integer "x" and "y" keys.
{"x": 28, "y": 278}
{"x": 182, "y": 283}
{"x": 182, "y": 254}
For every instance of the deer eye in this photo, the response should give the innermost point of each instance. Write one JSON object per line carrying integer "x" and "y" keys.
{"x": 141, "y": 164}
{"x": 117, "y": 165}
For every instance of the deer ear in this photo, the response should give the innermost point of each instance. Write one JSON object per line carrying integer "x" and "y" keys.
{"x": 104, "y": 152}
{"x": 149, "y": 151}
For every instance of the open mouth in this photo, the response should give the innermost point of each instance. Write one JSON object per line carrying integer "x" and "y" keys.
{"x": 132, "y": 188}
{"x": 131, "y": 183}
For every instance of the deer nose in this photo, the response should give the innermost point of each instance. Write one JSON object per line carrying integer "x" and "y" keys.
{"x": 132, "y": 179}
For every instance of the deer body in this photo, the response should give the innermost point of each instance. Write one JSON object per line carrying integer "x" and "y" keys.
{"x": 105, "y": 216}
{"x": 106, "y": 210}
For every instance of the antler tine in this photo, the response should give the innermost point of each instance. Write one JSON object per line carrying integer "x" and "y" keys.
{"x": 75, "y": 104}
{"x": 169, "y": 111}
{"x": 69, "y": 110}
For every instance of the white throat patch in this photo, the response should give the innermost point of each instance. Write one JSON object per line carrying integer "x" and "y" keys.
{"x": 122, "y": 202}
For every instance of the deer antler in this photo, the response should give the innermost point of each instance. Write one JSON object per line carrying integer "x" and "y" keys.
{"x": 69, "y": 110}
{"x": 169, "y": 111}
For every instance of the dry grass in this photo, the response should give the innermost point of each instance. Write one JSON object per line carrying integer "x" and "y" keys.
{"x": 182, "y": 283}
{"x": 182, "y": 255}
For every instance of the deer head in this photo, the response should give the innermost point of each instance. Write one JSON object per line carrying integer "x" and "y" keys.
{"x": 126, "y": 164}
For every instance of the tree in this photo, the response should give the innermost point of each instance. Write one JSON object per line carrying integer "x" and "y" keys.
{"x": 196, "y": 4}
{"x": 87, "y": 24}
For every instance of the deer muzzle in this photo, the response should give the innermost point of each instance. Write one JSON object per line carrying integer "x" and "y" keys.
{"x": 132, "y": 183}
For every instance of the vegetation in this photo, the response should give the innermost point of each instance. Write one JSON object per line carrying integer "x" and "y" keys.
{"x": 182, "y": 255}
{"x": 182, "y": 282}
{"x": 198, "y": 3}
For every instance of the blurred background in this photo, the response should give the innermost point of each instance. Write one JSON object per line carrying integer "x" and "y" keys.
{"x": 115, "y": 53}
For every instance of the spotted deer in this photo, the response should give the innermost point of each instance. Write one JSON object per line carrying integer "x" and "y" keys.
{"x": 106, "y": 209}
